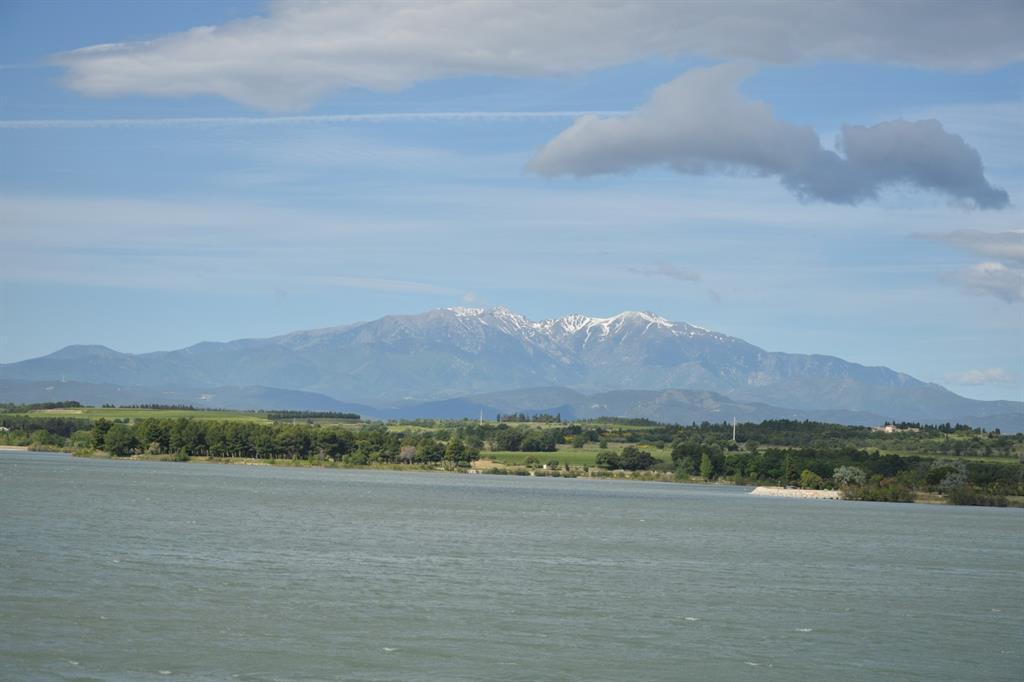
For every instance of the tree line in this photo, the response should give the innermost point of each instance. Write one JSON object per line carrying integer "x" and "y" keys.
{"x": 805, "y": 454}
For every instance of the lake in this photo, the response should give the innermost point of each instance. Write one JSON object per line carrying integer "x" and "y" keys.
{"x": 119, "y": 570}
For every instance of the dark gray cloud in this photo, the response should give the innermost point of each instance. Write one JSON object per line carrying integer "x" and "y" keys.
{"x": 299, "y": 51}
{"x": 920, "y": 153}
{"x": 700, "y": 124}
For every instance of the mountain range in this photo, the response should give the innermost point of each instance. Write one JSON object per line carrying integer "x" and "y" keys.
{"x": 460, "y": 361}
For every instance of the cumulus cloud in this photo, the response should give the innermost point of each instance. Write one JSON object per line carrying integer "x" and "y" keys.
{"x": 979, "y": 377}
{"x": 701, "y": 124}
{"x": 666, "y": 270}
{"x": 1002, "y": 277}
{"x": 301, "y": 50}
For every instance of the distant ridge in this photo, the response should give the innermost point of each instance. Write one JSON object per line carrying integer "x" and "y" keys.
{"x": 462, "y": 353}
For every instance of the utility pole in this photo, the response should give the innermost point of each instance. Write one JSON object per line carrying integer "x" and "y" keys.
{"x": 734, "y": 429}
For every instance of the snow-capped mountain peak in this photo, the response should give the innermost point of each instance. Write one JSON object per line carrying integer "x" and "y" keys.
{"x": 554, "y": 329}
{"x": 460, "y": 351}
{"x": 466, "y": 312}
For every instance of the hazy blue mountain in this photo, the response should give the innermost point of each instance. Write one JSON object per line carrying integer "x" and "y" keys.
{"x": 452, "y": 353}
{"x": 668, "y": 405}
{"x": 220, "y": 397}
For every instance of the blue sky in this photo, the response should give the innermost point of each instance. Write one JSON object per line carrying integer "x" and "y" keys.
{"x": 208, "y": 185}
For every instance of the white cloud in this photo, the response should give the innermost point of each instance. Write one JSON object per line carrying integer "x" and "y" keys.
{"x": 701, "y": 124}
{"x": 1002, "y": 277}
{"x": 979, "y": 377}
{"x": 991, "y": 279}
{"x": 302, "y": 50}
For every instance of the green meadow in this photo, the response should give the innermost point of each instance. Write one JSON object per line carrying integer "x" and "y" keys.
{"x": 135, "y": 414}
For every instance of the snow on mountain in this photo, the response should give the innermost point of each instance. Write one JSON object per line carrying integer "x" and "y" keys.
{"x": 555, "y": 332}
{"x": 453, "y": 352}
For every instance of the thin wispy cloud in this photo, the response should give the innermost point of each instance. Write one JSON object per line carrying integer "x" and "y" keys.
{"x": 384, "y": 117}
{"x": 1001, "y": 277}
{"x": 384, "y": 284}
{"x": 676, "y": 273}
{"x": 300, "y": 51}
{"x": 667, "y": 270}
{"x": 980, "y": 377}
{"x": 1002, "y": 246}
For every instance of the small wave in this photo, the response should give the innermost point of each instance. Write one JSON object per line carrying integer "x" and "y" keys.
{"x": 805, "y": 629}
{"x": 691, "y": 619}
{"x": 752, "y": 663}
{"x": 73, "y": 662}
{"x": 164, "y": 672}
{"x": 389, "y": 649}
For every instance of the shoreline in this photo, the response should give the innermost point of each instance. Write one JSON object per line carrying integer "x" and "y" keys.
{"x": 491, "y": 468}
{"x": 796, "y": 493}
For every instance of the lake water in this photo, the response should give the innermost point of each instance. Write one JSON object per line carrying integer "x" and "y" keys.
{"x": 159, "y": 571}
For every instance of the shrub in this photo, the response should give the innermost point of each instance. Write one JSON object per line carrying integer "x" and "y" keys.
{"x": 849, "y": 476}
{"x": 809, "y": 479}
{"x": 966, "y": 495}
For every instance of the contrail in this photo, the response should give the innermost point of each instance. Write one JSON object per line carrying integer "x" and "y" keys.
{"x": 285, "y": 120}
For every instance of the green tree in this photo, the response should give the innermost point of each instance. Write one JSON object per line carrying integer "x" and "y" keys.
{"x": 633, "y": 458}
{"x": 334, "y": 442}
{"x": 188, "y": 436}
{"x": 788, "y": 470}
{"x": 707, "y": 469}
{"x": 456, "y": 452}
{"x": 120, "y": 441}
{"x": 430, "y": 450}
{"x": 99, "y": 431}
{"x": 294, "y": 440}
{"x": 809, "y": 479}
{"x": 541, "y": 440}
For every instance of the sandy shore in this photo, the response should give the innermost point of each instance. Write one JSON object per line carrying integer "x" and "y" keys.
{"x": 13, "y": 447}
{"x": 773, "y": 491}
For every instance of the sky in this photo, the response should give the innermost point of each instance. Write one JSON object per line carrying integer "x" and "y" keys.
{"x": 838, "y": 178}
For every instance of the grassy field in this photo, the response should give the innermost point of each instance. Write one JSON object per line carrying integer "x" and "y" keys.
{"x": 565, "y": 455}
{"x": 568, "y": 455}
{"x": 137, "y": 414}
